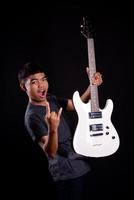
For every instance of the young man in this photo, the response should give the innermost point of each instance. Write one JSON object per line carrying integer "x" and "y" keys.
{"x": 45, "y": 122}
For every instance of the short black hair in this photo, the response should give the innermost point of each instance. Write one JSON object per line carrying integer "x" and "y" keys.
{"x": 28, "y": 69}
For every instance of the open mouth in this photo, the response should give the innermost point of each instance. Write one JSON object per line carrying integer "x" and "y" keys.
{"x": 42, "y": 94}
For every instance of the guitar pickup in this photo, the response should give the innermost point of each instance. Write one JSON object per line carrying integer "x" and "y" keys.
{"x": 96, "y": 134}
{"x": 96, "y": 127}
{"x": 93, "y": 115}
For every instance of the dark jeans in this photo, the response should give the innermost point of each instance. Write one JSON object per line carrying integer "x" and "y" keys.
{"x": 74, "y": 189}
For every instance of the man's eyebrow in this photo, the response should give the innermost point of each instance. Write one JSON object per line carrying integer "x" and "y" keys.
{"x": 45, "y": 76}
{"x": 33, "y": 79}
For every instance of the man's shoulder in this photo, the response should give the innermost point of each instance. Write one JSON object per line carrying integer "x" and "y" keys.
{"x": 51, "y": 97}
{"x": 34, "y": 110}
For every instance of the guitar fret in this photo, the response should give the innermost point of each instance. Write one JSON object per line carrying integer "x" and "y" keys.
{"x": 92, "y": 71}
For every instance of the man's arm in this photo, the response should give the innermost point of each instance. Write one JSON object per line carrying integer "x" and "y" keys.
{"x": 96, "y": 80}
{"x": 49, "y": 143}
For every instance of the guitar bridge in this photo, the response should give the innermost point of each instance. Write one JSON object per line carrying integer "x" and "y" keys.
{"x": 96, "y": 134}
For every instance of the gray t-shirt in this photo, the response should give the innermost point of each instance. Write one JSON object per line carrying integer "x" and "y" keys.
{"x": 67, "y": 164}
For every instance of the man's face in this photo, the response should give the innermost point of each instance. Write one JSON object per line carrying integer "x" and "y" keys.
{"x": 36, "y": 86}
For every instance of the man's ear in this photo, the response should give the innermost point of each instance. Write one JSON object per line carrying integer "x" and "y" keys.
{"x": 22, "y": 86}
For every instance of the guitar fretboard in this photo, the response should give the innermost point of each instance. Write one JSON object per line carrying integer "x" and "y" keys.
{"x": 92, "y": 71}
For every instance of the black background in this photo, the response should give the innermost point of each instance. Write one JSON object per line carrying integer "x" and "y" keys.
{"x": 51, "y": 36}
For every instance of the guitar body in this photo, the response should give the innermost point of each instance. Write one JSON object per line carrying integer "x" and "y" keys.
{"x": 95, "y": 135}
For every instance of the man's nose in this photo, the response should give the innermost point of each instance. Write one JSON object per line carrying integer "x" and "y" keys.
{"x": 41, "y": 85}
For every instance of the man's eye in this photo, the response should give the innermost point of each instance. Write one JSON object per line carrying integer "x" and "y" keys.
{"x": 33, "y": 82}
{"x": 45, "y": 78}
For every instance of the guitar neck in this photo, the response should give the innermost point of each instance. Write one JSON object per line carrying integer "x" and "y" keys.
{"x": 92, "y": 71}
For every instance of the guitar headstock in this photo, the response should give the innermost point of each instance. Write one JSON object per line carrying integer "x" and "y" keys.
{"x": 86, "y": 28}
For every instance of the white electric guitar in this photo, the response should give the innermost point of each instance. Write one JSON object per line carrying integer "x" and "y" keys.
{"x": 95, "y": 135}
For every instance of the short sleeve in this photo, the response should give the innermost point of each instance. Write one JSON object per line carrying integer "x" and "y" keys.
{"x": 36, "y": 127}
{"x": 62, "y": 102}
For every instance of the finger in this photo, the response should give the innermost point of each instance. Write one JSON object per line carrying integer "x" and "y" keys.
{"x": 87, "y": 69}
{"x": 47, "y": 109}
{"x": 59, "y": 113}
{"x": 97, "y": 79}
{"x": 98, "y": 74}
{"x": 94, "y": 80}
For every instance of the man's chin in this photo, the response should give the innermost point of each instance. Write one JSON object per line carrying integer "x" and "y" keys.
{"x": 39, "y": 100}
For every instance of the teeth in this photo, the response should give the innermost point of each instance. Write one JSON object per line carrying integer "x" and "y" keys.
{"x": 41, "y": 91}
